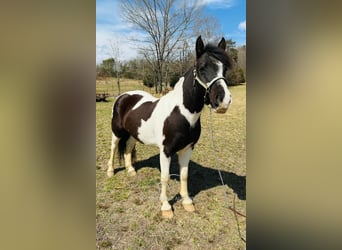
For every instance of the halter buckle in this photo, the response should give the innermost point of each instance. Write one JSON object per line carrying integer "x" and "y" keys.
{"x": 195, "y": 76}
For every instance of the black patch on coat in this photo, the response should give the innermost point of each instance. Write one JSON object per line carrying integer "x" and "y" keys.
{"x": 121, "y": 107}
{"x": 125, "y": 121}
{"x": 132, "y": 121}
{"x": 216, "y": 95}
{"x": 178, "y": 132}
{"x": 193, "y": 95}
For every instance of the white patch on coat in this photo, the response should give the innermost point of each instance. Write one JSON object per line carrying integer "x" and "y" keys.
{"x": 146, "y": 97}
{"x": 227, "y": 96}
{"x": 151, "y": 131}
{"x": 190, "y": 117}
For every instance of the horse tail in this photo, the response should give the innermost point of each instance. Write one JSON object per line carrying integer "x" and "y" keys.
{"x": 134, "y": 155}
{"x": 122, "y": 148}
{"x": 121, "y": 133}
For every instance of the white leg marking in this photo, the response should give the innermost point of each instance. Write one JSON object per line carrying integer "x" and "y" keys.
{"x": 164, "y": 178}
{"x": 115, "y": 142}
{"x": 183, "y": 159}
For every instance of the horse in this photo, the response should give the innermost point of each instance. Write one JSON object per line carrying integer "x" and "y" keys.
{"x": 172, "y": 122}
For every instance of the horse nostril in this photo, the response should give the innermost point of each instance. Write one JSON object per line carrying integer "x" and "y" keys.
{"x": 218, "y": 99}
{"x": 230, "y": 99}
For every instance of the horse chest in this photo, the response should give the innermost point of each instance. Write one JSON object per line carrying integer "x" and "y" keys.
{"x": 179, "y": 132}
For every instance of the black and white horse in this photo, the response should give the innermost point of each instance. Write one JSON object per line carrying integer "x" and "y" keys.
{"x": 172, "y": 122}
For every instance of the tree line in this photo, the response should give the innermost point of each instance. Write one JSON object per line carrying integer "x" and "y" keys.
{"x": 140, "y": 69}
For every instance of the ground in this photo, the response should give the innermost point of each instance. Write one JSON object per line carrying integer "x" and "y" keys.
{"x": 128, "y": 209}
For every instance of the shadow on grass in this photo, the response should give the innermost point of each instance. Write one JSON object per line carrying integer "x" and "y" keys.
{"x": 200, "y": 178}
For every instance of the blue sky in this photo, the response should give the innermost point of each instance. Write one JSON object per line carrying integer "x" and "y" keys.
{"x": 112, "y": 32}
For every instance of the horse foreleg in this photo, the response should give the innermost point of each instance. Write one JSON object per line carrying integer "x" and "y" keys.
{"x": 183, "y": 159}
{"x": 164, "y": 178}
{"x": 128, "y": 156}
{"x": 110, "y": 169}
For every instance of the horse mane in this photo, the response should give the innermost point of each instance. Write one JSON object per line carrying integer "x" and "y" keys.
{"x": 219, "y": 54}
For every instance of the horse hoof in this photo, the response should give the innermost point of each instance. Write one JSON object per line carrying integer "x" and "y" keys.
{"x": 132, "y": 173}
{"x": 167, "y": 214}
{"x": 110, "y": 173}
{"x": 189, "y": 207}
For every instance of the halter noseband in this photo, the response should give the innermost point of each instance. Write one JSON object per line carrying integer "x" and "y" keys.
{"x": 207, "y": 85}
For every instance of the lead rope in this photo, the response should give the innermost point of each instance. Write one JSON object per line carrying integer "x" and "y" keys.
{"x": 219, "y": 172}
{"x": 213, "y": 146}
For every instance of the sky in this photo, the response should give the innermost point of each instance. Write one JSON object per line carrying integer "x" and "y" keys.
{"x": 113, "y": 32}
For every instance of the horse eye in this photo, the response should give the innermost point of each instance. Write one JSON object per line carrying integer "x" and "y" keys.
{"x": 202, "y": 69}
{"x": 202, "y": 66}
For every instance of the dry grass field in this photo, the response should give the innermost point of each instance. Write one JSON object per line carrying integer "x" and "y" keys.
{"x": 128, "y": 209}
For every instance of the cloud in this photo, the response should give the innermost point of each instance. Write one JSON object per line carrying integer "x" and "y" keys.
{"x": 242, "y": 26}
{"x": 111, "y": 30}
{"x": 108, "y": 36}
{"x": 216, "y": 4}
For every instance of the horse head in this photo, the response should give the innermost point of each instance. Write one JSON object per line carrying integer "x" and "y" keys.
{"x": 212, "y": 63}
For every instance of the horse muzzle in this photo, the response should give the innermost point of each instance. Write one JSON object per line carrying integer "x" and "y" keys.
{"x": 223, "y": 107}
{"x": 221, "y": 110}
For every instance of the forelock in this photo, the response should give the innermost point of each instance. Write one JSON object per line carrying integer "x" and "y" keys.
{"x": 219, "y": 54}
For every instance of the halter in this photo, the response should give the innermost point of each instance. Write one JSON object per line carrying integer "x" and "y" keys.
{"x": 207, "y": 85}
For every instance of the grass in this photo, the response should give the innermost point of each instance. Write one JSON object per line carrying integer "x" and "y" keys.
{"x": 128, "y": 208}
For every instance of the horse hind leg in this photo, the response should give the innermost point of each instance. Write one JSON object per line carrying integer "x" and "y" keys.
{"x": 129, "y": 155}
{"x": 113, "y": 149}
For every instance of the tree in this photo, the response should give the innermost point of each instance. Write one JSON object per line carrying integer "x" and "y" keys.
{"x": 115, "y": 52}
{"x": 209, "y": 28}
{"x": 236, "y": 74}
{"x": 242, "y": 58}
{"x": 108, "y": 65}
{"x": 166, "y": 23}
{"x": 100, "y": 71}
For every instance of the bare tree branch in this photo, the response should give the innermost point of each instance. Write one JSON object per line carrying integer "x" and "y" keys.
{"x": 167, "y": 23}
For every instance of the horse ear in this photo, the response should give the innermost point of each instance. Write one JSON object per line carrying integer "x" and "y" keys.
{"x": 199, "y": 47}
{"x": 222, "y": 44}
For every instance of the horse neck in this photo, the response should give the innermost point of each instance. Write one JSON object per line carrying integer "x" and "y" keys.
{"x": 193, "y": 94}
